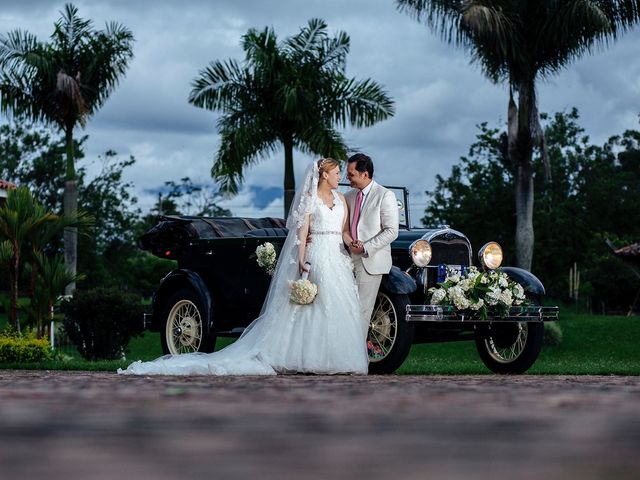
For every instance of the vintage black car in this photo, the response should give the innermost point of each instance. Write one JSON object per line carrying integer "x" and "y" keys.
{"x": 218, "y": 289}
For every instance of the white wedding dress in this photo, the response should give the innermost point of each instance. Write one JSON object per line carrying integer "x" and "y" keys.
{"x": 325, "y": 337}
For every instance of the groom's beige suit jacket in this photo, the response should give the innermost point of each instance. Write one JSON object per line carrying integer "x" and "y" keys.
{"x": 377, "y": 227}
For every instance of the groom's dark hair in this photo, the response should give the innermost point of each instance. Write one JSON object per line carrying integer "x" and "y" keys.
{"x": 363, "y": 163}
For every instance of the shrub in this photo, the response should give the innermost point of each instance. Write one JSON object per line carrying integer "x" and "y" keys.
{"x": 18, "y": 349}
{"x": 101, "y": 321}
{"x": 552, "y": 334}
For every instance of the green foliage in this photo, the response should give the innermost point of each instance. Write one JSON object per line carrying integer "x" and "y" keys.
{"x": 51, "y": 278}
{"x": 18, "y": 348}
{"x": 518, "y": 43}
{"x": 64, "y": 81}
{"x": 552, "y": 334}
{"x": 291, "y": 93}
{"x": 26, "y": 228}
{"x": 102, "y": 321}
{"x": 33, "y": 156}
{"x": 572, "y": 218}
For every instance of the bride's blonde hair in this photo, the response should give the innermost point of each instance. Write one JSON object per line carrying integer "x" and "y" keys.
{"x": 326, "y": 164}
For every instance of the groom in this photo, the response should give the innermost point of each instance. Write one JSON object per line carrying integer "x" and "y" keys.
{"x": 373, "y": 224}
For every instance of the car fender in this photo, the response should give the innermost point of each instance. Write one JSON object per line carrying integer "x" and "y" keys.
{"x": 398, "y": 282}
{"x": 177, "y": 279}
{"x": 528, "y": 280}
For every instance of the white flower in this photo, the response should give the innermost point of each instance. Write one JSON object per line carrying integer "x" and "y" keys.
{"x": 455, "y": 278}
{"x": 302, "y": 292}
{"x": 266, "y": 257}
{"x": 466, "y": 284}
{"x": 506, "y": 298}
{"x": 477, "y": 305}
{"x": 438, "y": 296}
{"x": 493, "y": 295}
{"x": 502, "y": 281}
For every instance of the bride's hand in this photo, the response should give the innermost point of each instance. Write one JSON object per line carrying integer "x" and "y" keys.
{"x": 302, "y": 267}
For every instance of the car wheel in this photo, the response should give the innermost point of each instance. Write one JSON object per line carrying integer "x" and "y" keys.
{"x": 510, "y": 347}
{"x": 183, "y": 327}
{"x": 390, "y": 336}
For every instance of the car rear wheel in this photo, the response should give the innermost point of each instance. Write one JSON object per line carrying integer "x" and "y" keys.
{"x": 510, "y": 347}
{"x": 184, "y": 328}
{"x": 390, "y": 336}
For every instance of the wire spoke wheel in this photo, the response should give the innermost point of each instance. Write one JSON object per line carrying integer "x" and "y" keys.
{"x": 383, "y": 329}
{"x": 184, "y": 328}
{"x": 508, "y": 353}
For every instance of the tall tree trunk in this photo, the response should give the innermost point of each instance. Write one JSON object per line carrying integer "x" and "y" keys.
{"x": 70, "y": 208}
{"x": 289, "y": 178}
{"x": 521, "y": 153}
{"x": 13, "y": 312}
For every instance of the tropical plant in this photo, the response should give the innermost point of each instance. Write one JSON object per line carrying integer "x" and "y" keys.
{"x": 51, "y": 279}
{"x": 24, "y": 222}
{"x": 291, "y": 93}
{"x": 63, "y": 83}
{"x": 19, "y": 217}
{"x": 519, "y": 42}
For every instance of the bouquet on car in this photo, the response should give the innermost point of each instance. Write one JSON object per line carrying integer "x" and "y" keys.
{"x": 486, "y": 293}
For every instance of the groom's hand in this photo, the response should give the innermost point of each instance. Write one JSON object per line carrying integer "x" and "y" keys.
{"x": 356, "y": 247}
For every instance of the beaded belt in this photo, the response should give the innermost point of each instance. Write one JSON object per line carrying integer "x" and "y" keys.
{"x": 326, "y": 232}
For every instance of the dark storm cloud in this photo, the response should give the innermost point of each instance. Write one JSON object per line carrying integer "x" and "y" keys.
{"x": 440, "y": 97}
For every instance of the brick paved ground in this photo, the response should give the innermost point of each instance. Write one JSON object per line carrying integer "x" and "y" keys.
{"x": 80, "y": 425}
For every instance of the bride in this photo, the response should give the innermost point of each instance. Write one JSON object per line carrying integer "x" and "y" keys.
{"x": 323, "y": 337}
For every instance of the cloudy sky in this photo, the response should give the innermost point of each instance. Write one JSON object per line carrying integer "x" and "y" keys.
{"x": 439, "y": 96}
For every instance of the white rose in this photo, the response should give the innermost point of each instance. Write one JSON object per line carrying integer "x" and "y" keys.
{"x": 477, "y": 305}
{"x": 438, "y": 296}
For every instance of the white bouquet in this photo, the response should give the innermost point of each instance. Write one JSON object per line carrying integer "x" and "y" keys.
{"x": 303, "y": 291}
{"x": 266, "y": 257}
{"x": 482, "y": 292}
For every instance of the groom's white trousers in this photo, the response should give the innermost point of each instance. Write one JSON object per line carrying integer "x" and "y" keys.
{"x": 368, "y": 286}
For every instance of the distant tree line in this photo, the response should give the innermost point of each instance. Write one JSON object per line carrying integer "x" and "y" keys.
{"x": 592, "y": 196}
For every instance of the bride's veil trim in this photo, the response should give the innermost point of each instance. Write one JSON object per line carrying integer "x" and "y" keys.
{"x": 287, "y": 266}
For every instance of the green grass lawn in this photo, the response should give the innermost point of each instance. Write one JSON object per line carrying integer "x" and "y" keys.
{"x": 592, "y": 345}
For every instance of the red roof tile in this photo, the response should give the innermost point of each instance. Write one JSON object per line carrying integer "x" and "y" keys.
{"x": 7, "y": 185}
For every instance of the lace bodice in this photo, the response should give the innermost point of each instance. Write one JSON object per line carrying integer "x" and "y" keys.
{"x": 325, "y": 220}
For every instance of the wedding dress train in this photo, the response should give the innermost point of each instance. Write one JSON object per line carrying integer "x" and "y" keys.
{"x": 325, "y": 337}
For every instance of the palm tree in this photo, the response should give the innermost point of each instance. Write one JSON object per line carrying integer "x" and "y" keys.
{"x": 24, "y": 222}
{"x": 51, "y": 280}
{"x": 291, "y": 93}
{"x": 519, "y": 42}
{"x": 63, "y": 83}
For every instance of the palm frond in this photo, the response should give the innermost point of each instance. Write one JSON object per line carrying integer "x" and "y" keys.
{"x": 322, "y": 140}
{"x": 333, "y": 53}
{"x": 243, "y": 142}
{"x": 441, "y": 15}
{"x": 70, "y": 29}
{"x": 309, "y": 38}
{"x": 218, "y": 85}
{"x": 360, "y": 103}
{"x": 261, "y": 48}
{"x": 575, "y": 27}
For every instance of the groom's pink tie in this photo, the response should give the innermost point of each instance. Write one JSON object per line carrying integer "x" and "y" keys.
{"x": 356, "y": 216}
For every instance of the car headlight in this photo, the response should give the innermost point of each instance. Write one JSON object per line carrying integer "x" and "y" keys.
{"x": 490, "y": 255}
{"x": 420, "y": 252}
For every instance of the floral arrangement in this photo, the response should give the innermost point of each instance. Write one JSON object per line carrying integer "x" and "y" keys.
{"x": 266, "y": 257}
{"x": 302, "y": 292}
{"x": 374, "y": 351}
{"x": 482, "y": 292}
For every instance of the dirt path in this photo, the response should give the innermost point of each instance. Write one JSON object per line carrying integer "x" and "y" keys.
{"x": 67, "y": 425}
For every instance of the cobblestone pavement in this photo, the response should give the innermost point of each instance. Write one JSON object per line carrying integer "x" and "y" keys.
{"x": 81, "y": 425}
